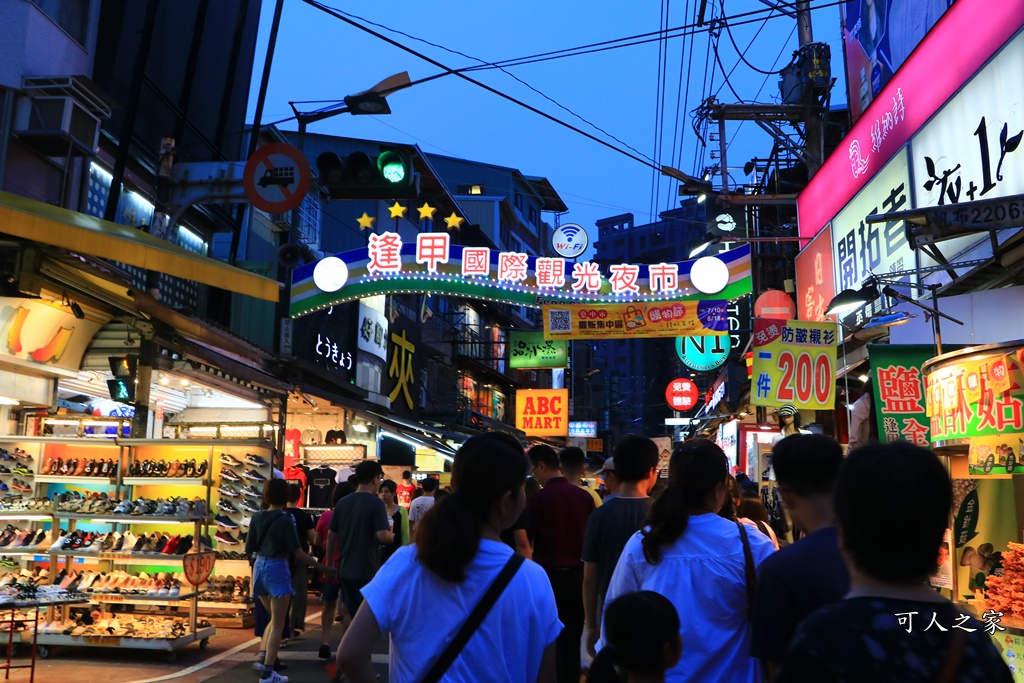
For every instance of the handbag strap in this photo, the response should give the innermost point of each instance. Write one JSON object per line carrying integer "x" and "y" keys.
{"x": 749, "y": 570}
{"x": 474, "y": 620}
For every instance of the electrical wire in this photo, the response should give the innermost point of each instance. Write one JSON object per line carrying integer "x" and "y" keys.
{"x": 494, "y": 65}
{"x": 659, "y": 106}
{"x": 742, "y": 53}
{"x": 486, "y": 87}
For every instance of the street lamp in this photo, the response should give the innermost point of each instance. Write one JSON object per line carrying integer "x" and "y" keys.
{"x": 850, "y": 300}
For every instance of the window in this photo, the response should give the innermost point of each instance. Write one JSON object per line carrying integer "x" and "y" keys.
{"x": 476, "y": 189}
{"x": 70, "y": 15}
{"x": 519, "y": 201}
{"x": 533, "y": 215}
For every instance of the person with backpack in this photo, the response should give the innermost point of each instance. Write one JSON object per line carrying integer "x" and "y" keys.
{"x": 703, "y": 563}
{"x": 492, "y": 614}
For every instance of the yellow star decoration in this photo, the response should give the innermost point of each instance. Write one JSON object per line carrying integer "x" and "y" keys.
{"x": 397, "y": 210}
{"x": 366, "y": 221}
{"x": 454, "y": 221}
{"x": 427, "y": 212}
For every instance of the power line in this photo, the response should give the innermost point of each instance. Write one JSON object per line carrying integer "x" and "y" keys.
{"x": 742, "y": 53}
{"x": 494, "y": 65}
{"x": 486, "y": 87}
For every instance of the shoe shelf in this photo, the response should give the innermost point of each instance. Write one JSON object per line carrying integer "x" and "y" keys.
{"x": 201, "y": 635}
{"x": 184, "y": 600}
{"x": 165, "y": 481}
{"x": 27, "y": 515}
{"x": 128, "y": 519}
{"x": 121, "y": 557}
{"x": 65, "y": 479}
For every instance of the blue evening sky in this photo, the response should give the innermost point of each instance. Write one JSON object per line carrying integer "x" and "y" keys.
{"x": 321, "y": 58}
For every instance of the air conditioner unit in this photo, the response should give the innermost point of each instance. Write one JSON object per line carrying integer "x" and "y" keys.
{"x": 56, "y": 126}
{"x": 282, "y": 221}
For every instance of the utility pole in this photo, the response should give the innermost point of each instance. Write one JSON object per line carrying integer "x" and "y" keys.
{"x": 815, "y": 125}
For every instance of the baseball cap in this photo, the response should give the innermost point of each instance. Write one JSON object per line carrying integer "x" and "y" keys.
{"x": 608, "y": 466}
{"x": 787, "y": 409}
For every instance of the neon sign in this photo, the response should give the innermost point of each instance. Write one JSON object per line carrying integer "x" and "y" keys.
{"x": 389, "y": 264}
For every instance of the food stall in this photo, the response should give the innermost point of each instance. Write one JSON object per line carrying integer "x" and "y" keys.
{"x": 975, "y": 408}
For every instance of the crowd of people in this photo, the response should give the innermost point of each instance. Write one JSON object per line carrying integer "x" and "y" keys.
{"x": 534, "y": 576}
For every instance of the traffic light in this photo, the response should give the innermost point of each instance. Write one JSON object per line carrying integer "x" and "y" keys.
{"x": 360, "y": 176}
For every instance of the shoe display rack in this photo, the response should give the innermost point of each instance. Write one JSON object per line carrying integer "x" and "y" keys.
{"x": 113, "y": 505}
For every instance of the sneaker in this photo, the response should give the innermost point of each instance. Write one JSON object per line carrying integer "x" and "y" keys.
{"x": 244, "y": 522}
{"x": 274, "y": 677}
{"x": 252, "y": 492}
{"x": 225, "y": 521}
{"x": 249, "y": 507}
{"x": 254, "y": 475}
{"x": 229, "y": 475}
{"x": 255, "y": 460}
{"x": 227, "y": 459}
{"x": 225, "y": 537}
{"x": 226, "y": 490}
{"x": 325, "y": 652}
{"x": 225, "y": 506}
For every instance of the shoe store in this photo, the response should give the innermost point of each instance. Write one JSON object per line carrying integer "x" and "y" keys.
{"x": 120, "y": 524}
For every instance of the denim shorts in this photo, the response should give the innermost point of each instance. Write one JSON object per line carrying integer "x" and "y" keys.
{"x": 271, "y": 577}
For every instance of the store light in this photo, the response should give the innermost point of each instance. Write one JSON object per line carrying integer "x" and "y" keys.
{"x": 5, "y": 401}
{"x": 163, "y": 379}
{"x": 184, "y": 382}
{"x": 86, "y": 422}
{"x": 863, "y": 378}
{"x": 361, "y": 428}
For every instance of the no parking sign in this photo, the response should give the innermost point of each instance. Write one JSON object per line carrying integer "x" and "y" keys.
{"x": 276, "y": 178}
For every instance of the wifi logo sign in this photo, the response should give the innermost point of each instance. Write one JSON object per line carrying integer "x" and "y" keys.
{"x": 570, "y": 240}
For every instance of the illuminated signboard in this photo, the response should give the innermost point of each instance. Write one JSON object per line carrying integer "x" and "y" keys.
{"x": 431, "y": 263}
{"x": 583, "y": 430}
{"x": 879, "y": 37}
{"x": 543, "y": 412}
{"x": 966, "y": 37}
{"x": 531, "y": 350}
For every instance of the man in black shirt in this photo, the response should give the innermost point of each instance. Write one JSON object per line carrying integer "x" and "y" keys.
{"x": 810, "y": 573}
{"x": 892, "y": 627}
{"x": 358, "y": 528}
{"x": 300, "y": 577}
{"x": 612, "y": 524}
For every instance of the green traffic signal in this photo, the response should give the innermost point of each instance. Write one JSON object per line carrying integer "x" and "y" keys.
{"x": 391, "y": 167}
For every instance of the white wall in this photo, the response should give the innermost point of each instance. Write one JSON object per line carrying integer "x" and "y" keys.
{"x": 989, "y": 317}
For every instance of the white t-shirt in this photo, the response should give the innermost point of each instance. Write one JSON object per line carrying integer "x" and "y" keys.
{"x": 703, "y": 574}
{"x": 508, "y": 646}
{"x": 419, "y": 507}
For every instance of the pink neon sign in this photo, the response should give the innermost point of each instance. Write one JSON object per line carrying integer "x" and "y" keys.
{"x": 969, "y": 33}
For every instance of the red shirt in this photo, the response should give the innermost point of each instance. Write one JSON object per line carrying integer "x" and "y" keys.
{"x": 405, "y": 492}
{"x": 558, "y": 514}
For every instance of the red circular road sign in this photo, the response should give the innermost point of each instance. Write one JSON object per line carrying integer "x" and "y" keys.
{"x": 681, "y": 394}
{"x": 276, "y": 178}
{"x": 775, "y": 304}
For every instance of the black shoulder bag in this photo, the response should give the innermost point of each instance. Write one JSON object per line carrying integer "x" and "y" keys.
{"x": 476, "y": 617}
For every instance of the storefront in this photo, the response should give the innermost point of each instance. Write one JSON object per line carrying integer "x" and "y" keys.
{"x": 974, "y": 405}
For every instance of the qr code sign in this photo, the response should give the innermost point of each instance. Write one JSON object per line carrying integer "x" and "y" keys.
{"x": 560, "y": 321}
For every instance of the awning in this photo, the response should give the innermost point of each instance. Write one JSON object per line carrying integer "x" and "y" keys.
{"x": 84, "y": 234}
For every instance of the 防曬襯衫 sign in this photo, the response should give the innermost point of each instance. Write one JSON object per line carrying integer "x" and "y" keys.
{"x": 794, "y": 362}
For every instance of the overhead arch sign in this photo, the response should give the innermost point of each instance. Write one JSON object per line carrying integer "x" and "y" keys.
{"x": 432, "y": 264}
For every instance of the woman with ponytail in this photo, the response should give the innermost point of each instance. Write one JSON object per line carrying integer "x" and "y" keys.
{"x": 641, "y": 640}
{"x": 426, "y": 591}
{"x": 704, "y": 564}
